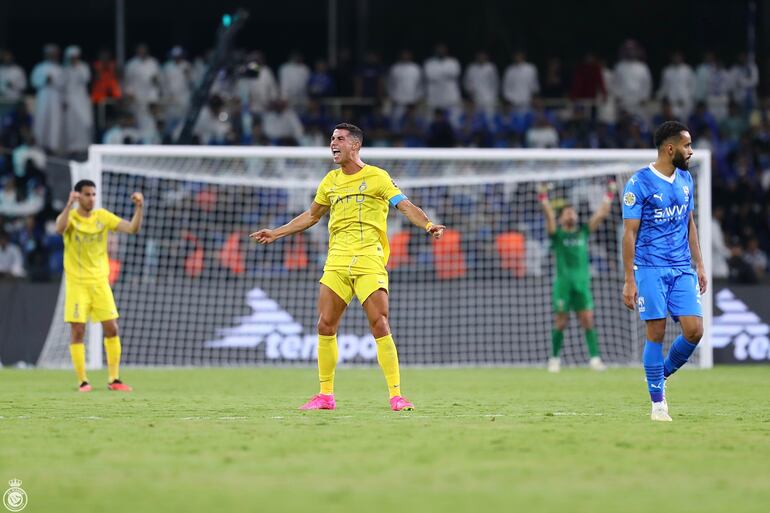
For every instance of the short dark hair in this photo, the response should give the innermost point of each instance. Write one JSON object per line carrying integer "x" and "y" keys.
{"x": 353, "y": 130}
{"x": 668, "y": 130}
{"x": 84, "y": 183}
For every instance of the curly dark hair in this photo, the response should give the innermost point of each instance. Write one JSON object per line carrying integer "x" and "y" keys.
{"x": 668, "y": 130}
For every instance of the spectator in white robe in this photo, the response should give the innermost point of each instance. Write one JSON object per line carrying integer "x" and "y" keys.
{"x": 712, "y": 85}
{"x": 13, "y": 80}
{"x": 744, "y": 79}
{"x": 442, "y": 82}
{"x": 293, "y": 77}
{"x": 719, "y": 250}
{"x": 677, "y": 85}
{"x": 142, "y": 83}
{"x": 78, "y": 113}
{"x": 257, "y": 86}
{"x": 214, "y": 125}
{"x": 177, "y": 84}
{"x": 124, "y": 131}
{"x": 47, "y": 78}
{"x": 11, "y": 258}
{"x": 607, "y": 109}
{"x": 520, "y": 82}
{"x": 482, "y": 83}
{"x": 633, "y": 80}
{"x": 404, "y": 84}
{"x": 281, "y": 124}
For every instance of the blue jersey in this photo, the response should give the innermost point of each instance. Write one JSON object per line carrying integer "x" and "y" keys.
{"x": 663, "y": 204}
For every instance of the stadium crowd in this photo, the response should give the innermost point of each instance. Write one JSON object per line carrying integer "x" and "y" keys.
{"x": 59, "y": 108}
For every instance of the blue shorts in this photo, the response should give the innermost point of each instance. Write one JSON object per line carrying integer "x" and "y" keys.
{"x": 664, "y": 290}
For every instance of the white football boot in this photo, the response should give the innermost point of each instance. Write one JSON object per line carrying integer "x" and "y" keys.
{"x": 554, "y": 364}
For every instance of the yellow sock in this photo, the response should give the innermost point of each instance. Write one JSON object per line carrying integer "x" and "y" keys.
{"x": 387, "y": 356}
{"x": 327, "y": 362}
{"x": 78, "y": 354}
{"x": 112, "y": 348}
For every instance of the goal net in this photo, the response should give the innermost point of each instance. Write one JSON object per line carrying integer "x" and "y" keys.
{"x": 192, "y": 290}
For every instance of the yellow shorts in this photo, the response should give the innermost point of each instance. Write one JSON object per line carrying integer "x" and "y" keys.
{"x": 359, "y": 275}
{"x": 84, "y": 301}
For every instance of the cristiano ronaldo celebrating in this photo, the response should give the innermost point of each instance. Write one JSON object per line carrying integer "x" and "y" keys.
{"x": 86, "y": 272}
{"x": 357, "y": 197}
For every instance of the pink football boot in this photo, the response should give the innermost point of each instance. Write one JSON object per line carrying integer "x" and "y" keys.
{"x": 320, "y": 402}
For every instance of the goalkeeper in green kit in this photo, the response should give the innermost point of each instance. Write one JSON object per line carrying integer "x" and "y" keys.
{"x": 572, "y": 285}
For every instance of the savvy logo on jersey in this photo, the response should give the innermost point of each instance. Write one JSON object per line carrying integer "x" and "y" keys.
{"x": 670, "y": 213}
{"x": 284, "y": 338}
{"x": 740, "y": 327}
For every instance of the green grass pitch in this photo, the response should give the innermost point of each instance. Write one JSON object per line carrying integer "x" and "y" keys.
{"x": 481, "y": 440}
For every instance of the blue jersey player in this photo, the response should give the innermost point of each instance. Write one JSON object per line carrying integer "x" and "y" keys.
{"x": 660, "y": 245}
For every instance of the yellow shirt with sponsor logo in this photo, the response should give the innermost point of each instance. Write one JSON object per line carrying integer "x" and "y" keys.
{"x": 358, "y": 210}
{"x": 85, "y": 245}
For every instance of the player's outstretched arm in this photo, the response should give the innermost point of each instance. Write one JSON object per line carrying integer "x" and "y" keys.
{"x": 418, "y": 218}
{"x": 603, "y": 211}
{"x": 132, "y": 227}
{"x": 545, "y": 204}
{"x": 300, "y": 223}
{"x": 697, "y": 257}
{"x": 630, "y": 231}
{"x": 63, "y": 219}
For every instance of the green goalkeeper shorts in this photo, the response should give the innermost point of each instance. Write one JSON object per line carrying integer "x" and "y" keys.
{"x": 572, "y": 297}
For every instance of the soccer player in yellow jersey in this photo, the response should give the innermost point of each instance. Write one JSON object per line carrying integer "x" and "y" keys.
{"x": 86, "y": 271}
{"x": 357, "y": 196}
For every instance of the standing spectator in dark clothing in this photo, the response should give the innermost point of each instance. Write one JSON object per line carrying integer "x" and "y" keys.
{"x": 315, "y": 117}
{"x": 344, "y": 72}
{"x": 666, "y": 113}
{"x": 377, "y": 127}
{"x": 474, "y": 129}
{"x": 370, "y": 78}
{"x": 587, "y": 80}
{"x": 701, "y": 119}
{"x": 740, "y": 271}
{"x": 411, "y": 128}
{"x": 321, "y": 83}
{"x": 756, "y": 258}
{"x": 441, "y": 134}
{"x": 553, "y": 83}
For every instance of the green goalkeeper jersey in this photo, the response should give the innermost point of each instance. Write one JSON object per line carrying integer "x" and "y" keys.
{"x": 571, "y": 251}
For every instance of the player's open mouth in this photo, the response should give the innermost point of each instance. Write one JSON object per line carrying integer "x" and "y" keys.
{"x": 335, "y": 152}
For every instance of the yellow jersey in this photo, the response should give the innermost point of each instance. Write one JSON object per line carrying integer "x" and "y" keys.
{"x": 358, "y": 210}
{"x": 85, "y": 245}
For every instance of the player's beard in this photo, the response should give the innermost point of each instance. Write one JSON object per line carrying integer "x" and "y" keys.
{"x": 680, "y": 161}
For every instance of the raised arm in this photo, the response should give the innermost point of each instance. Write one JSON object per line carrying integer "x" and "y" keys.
{"x": 418, "y": 218}
{"x": 63, "y": 219}
{"x": 630, "y": 231}
{"x": 696, "y": 255}
{"x": 545, "y": 204}
{"x": 603, "y": 211}
{"x": 300, "y": 223}
{"x": 132, "y": 227}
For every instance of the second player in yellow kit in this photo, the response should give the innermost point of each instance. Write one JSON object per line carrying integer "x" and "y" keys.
{"x": 357, "y": 197}
{"x": 88, "y": 296}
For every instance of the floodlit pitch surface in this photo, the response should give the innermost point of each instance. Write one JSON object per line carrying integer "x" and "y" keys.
{"x": 204, "y": 440}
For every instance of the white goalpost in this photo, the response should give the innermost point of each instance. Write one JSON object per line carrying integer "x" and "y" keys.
{"x": 192, "y": 290}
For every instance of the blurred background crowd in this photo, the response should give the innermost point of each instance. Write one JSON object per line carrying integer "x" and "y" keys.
{"x": 57, "y": 107}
